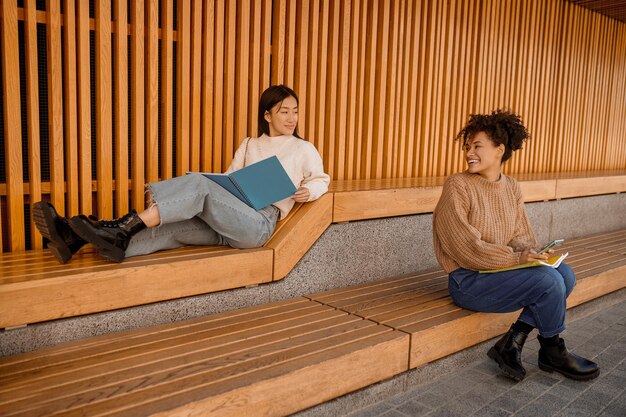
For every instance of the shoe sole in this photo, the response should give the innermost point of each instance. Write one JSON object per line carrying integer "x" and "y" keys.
{"x": 507, "y": 370}
{"x": 43, "y": 217}
{"x": 587, "y": 377}
{"x": 105, "y": 249}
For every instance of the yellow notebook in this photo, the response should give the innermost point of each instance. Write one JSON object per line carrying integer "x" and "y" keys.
{"x": 554, "y": 262}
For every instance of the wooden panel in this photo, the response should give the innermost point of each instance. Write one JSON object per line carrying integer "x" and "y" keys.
{"x": 104, "y": 107}
{"x": 574, "y": 187}
{"x": 376, "y": 104}
{"x": 88, "y": 289}
{"x": 55, "y": 106}
{"x": 291, "y": 241}
{"x": 12, "y": 129}
{"x": 183, "y": 62}
{"x": 538, "y": 190}
{"x": 360, "y": 205}
{"x": 166, "y": 103}
{"x": 32, "y": 91}
{"x": 195, "y": 109}
{"x": 138, "y": 103}
{"x": 151, "y": 148}
{"x": 83, "y": 81}
{"x": 70, "y": 103}
{"x": 121, "y": 106}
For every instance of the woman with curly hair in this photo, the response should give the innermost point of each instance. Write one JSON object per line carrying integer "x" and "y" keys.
{"x": 480, "y": 223}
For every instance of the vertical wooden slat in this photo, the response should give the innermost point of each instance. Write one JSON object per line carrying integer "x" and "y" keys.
{"x": 243, "y": 72}
{"x": 266, "y": 45}
{"x": 121, "y": 106}
{"x": 32, "y": 92}
{"x": 329, "y": 128}
{"x": 301, "y": 63}
{"x": 138, "y": 102}
{"x": 342, "y": 89}
{"x": 83, "y": 81}
{"x": 104, "y": 131}
{"x": 389, "y": 133}
{"x": 195, "y": 110}
{"x": 352, "y": 97}
{"x": 208, "y": 40}
{"x": 370, "y": 90}
{"x": 290, "y": 44}
{"x": 322, "y": 71}
{"x": 218, "y": 83}
{"x": 12, "y": 126}
{"x": 278, "y": 41}
{"x": 380, "y": 100}
{"x": 152, "y": 92}
{"x": 167, "y": 88}
{"x": 55, "y": 106}
{"x": 256, "y": 51}
{"x": 229, "y": 84}
{"x": 311, "y": 92}
{"x": 183, "y": 119}
{"x": 70, "y": 99}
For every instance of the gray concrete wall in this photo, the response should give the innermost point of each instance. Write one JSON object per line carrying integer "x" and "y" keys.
{"x": 346, "y": 254}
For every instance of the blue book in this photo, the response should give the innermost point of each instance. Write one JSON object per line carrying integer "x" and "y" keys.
{"x": 259, "y": 184}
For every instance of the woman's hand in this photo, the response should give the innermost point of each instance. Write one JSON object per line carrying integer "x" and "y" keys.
{"x": 302, "y": 195}
{"x": 531, "y": 255}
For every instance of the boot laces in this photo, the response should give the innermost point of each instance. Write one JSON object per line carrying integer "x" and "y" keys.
{"x": 115, "y": 222}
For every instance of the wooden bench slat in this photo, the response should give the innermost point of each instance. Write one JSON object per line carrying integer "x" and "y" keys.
{"x": 167, "y": 330}
{"x": 230, "y": 324}
{"x": 83, "y": 377}
{"x": 211, "y": 373}
{"x": 90, "y": 292}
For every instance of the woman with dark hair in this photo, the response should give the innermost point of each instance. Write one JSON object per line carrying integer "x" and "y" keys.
{"x": 193, "y": 210}
{"x": 479, "y": 224}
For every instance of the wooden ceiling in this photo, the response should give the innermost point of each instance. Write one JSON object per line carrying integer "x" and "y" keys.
{"x": 612, "y": 8}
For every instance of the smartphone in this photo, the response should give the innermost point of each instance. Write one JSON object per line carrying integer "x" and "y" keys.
{"x": 551, "y": 245}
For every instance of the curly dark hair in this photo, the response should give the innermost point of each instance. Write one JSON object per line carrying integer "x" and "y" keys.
{"x": 502, "y": 126}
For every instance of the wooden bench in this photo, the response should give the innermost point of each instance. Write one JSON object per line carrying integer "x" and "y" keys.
{"x": 34, "y": 288}
{"x": 278, "y": 358}
{"x": 370, "y": 199}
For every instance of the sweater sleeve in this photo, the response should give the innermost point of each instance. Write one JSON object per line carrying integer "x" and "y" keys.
{"x": 524, "y": 236}
{"x": 238, "y": 159}
{"x": 460, "y": 240}
{"x": 314, "y": 177}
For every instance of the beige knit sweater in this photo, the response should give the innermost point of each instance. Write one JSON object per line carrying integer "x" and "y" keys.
{"x": 480, "y": 224}
{"x": 300, "y": 159}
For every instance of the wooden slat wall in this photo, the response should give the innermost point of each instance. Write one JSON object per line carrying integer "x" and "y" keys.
{"x": 383, "y": 85}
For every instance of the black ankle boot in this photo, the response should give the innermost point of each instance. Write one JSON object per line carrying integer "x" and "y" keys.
{"x": 110, "y": 237}
{"x": 554, "y": 356}
{"x": 62, "y": 241}
{"x": 507, "y": 352}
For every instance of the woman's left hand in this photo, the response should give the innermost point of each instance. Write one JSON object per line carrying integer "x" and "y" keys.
{"x": 302, "y": 195}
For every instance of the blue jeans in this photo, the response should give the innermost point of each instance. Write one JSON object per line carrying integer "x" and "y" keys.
{"x": 197, "y": 211}
{"x": 541, "y": 293}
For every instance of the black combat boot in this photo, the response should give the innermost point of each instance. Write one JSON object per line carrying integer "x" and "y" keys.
{"x": 62, "y": 241}
{"x": 111, "y": 238}
{"x": 507, "y": 352}
{"x": 554, "y": 356}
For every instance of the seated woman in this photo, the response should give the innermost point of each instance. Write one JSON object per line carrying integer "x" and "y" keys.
{"x": 480, "y": 223}
{"x": 193, "y": 210}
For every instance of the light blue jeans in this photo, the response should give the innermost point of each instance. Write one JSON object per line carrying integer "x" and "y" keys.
{"x": 540, "y": 292}
{"x": 196, "y": 211}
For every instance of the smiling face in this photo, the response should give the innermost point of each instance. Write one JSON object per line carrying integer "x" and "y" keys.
{"x": 283, "y": 117}
{"x": 483, "y": 156}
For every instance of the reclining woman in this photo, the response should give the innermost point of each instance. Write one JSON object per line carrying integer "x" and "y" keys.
{"x": 479, "y": 224}
{"x": 193, "y": 210}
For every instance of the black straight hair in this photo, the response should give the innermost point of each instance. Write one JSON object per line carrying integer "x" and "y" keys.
{"x": 271, "y": 97}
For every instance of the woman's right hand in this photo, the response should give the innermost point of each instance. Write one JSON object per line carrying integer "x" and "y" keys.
{"x": 531, "y": 255}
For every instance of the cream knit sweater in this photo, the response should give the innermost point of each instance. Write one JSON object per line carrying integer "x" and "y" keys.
{"x": 299, "y": 158}
{"x": 480, "y": 224}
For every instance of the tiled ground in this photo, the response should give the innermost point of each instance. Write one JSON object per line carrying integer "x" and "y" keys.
{"x": 479, "y": 389}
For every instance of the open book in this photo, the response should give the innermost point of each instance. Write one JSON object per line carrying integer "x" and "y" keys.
{"x": 554, "y": 262}
{"x": 259, "y": 184}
